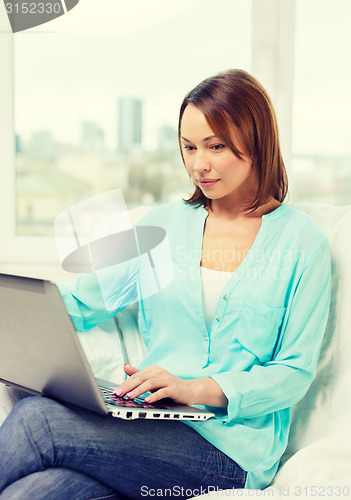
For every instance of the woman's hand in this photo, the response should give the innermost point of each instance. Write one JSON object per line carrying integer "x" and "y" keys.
{"x": 157, "y": 380}
{"x": 163, "y": 384}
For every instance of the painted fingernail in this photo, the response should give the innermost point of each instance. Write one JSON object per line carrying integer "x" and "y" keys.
{"x": 148, "y": 399}
{"x": 130, "y": 394}
{"x": 118, "y": 392}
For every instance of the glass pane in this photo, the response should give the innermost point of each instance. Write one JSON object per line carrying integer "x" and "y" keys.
{"x": 98, "y": 110}
{"x": 321, "y": 164}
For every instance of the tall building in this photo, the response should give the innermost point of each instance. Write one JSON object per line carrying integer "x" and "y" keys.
{"x": 167, "y": 138}
{"x": 18, "y": 144}
{"x": 93, "y": 138}
{"x": 129, "y": 123}
{"x": 42, "y": 145}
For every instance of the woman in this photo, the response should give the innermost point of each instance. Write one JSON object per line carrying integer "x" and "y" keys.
{"x": 238, "y": 330}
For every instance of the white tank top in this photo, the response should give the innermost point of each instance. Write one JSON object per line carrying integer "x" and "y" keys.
{"x": 213, "y": 283}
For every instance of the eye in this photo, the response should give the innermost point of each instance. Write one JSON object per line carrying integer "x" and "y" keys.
{"x": 217, "y": 147}
{"x": 188, "y": 148}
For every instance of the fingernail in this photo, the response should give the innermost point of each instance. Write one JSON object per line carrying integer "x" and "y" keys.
{"x": 147, "y": 399}
{"x": 130, "y": 394}
{"x": 118, "y": 392}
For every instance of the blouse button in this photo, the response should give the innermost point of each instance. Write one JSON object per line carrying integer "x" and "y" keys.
{"x": 224, "y": 297}
{"x": 217, "y": 319}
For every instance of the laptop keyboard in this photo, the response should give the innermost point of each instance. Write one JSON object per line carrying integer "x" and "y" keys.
{"x": 112, "y": 399}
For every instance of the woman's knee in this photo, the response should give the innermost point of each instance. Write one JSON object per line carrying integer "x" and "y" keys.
{"x": 32, "y": 404}
{"x": 32, "y": 410}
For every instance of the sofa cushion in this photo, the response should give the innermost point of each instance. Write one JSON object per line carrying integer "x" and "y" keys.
{"x": 320, "y": 426}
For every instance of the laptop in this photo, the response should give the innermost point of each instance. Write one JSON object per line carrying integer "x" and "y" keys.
{"x": 41, "y": 354}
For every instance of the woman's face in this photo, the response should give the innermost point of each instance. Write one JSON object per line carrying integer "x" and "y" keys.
{"x": 211, "y": 163}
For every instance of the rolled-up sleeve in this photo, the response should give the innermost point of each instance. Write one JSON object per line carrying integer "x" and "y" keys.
{"x": 284, "y": 380}
{"x": 99, "y": 296}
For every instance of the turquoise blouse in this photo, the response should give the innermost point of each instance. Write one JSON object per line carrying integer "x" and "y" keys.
{"x": 266, "y": 334}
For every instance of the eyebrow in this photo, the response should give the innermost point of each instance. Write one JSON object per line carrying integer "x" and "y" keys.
{"x": 204, "y": 140}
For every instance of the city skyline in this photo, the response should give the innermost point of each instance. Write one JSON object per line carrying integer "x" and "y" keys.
{"x": 65, "y": 77}
{"x": 41, "y": 143}
{"x": 130, "y": 126}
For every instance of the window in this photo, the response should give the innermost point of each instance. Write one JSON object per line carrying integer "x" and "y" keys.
{"x": 90, "y": 102}
{"x": 97, "y": 109}
{"x": 321, "y": 143}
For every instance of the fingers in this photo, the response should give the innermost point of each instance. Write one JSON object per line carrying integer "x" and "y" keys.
{"x": 129, "y": 369}
{"x": 132, "y": 382}
{"x": 140, "y": 381}
{"x": 157, "y": 395}
{"x": 151, "y": 385}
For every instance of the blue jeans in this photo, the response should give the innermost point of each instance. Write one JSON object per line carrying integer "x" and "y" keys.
{"x": 51, "y": 451}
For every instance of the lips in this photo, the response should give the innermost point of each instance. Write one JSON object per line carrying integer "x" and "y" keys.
{"x": 206, "y": 183}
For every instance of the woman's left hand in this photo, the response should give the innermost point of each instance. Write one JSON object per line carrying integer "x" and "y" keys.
{"x": 160, "y": 382}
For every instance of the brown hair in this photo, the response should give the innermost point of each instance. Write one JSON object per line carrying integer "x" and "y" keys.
{"x": 235, "y": 97}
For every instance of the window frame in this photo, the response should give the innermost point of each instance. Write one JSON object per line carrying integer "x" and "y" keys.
{"x": 14, "y": 248}
{"x": 272, "y": 63}
{"x": 273, "y": 52}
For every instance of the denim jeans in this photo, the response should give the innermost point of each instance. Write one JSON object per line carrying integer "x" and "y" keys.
{"x": 51, "y": 451}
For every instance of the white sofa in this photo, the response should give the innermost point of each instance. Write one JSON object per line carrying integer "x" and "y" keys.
{"x": 317, "y": 462}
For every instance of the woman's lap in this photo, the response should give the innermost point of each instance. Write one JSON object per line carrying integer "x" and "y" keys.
{"x": 136, "y": 458}
{"x": 58, "y": 484}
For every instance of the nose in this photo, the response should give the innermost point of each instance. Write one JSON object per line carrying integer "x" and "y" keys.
{"x": 201, "y": 162}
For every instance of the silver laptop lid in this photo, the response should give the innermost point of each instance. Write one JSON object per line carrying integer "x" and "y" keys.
{"x": 40, "y": 350}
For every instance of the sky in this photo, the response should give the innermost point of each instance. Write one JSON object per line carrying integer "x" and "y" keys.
{"x": 77, "y": 66}
{"x": 156, "y": 54}
{"x": 322, "y": 102}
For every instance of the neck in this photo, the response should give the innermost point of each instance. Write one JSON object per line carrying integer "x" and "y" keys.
{"x": 229, "y": 210}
